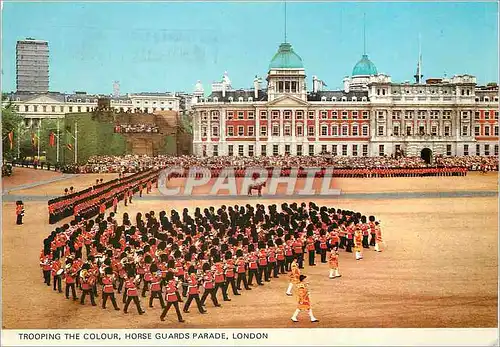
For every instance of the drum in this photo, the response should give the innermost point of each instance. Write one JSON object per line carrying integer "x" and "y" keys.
{"x": 59, "y": 272}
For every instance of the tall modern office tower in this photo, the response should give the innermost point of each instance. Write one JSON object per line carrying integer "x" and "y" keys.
{"x": 32, "y": 66}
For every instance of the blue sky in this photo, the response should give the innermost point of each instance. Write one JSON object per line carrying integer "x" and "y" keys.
{"x": 168, "y": 46}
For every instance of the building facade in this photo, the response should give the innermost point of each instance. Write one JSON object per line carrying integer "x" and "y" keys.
{"x": 32, "y": 66}
{"x": 371, "y": 116}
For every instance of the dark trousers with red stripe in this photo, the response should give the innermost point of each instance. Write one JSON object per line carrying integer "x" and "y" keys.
{"x": 273, "y": 266}
{"x": 288, "y": 262}
{"x": 167, "y": 308}
{"x": 210, "y": 291}
{"x": 231, "y": 281}
{"x": 105, "y": 297}
{"x": 136, "y": 301}
{"x": 281, "y": 266}
{"x": 323, "y": 255}
{"x": 223, "y": 287}
{"x": 312, "y": 254}
{"x": 190, "y": 298}
{"x": 242, "y": 277}
{"x": 251, "y": 274}
{"x": 157, "y": 295}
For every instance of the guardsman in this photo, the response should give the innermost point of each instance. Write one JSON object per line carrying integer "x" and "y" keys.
{"x": 263, "y": 266}
{"x": 280, "y": 256}
{"x": 272, "y": 262}
{"x": 108, "y": 290}
{"x": 171, "y": 296}
{"x": 46, "y": 265}
{"x": 298, "y": 252}
{"x": 132, "y": 293}
{"x": 87, "y": 282}
{"x": 19, "y": 212}
{"x": 304, "y": 300}
{"x": 371, "y": 225}
{"x": 333, "y": 262}
{"x": 193, "y": 291}
{"x": 253, "y": 267}
{"x": 294, "y": 277}
{"x": 323, "y": 245}
{"x": 229, "y": 272}
{"x": 288, "y": 254}
{"x": 70, "y": 278}
{"x": 378, "y": 233}
{"x": 156, "y": 286}
{"x": 241, "y": 271}
{"x": 219, "y": 279}
{"x": 310, "y": 247}
{"x": 358, "y": 244}
{"x": 208, "y": 286}
{"x": 56, "y": 273}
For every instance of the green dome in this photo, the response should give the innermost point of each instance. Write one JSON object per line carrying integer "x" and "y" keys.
{"x": 364, "y": 67}
{"x": 286, "y": 58}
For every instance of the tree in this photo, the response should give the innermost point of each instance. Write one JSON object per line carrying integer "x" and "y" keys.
{"x": 11, "y": 122}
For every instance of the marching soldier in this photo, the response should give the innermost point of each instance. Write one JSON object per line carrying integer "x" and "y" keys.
{"x": 208, "y": 285}
{"x": 333, "y": 262}
{"x": 253, "y": 267}
{"x": 378, "y": 235}
{"x": 310, "y": 247}
{"x": 56, "y": 273}
{"x": 323, "y": 245}
{"x": 70, "y": 278}
{"x": 241, "y": 270}
{"x": 298, "y": 251}
{"x": 219, "y": 279}
{"x": 371, "y": 225}
{"x": 229, "y": 273}
{"x": 108, "y": 290}
{"x": 294, "y": 277}
{"x": 87, "y": 282}
{"x": 304, "y": 300}
{"x": 262, "y": 266}
{"x": 19, "y": 212}
{"x": 171, "y": 296}
{"x": 193, "y": 291}
{"x": 46, "y": 265}
{"x": 156, "y": 286}
{"x": 132, "y": 293}
{"x": 358, "y": 244}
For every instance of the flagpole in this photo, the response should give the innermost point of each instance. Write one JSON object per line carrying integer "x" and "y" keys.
{"x": 76, "y": 142}
{"x": 38, "y": 139}
{"x": 57, "y": 150}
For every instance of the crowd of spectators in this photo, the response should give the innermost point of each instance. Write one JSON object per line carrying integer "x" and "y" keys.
{"x": 137, "y": 128}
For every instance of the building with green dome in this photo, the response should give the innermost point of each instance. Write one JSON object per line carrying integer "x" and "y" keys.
{"x": 364, "y": 67}
{"x": 286, "y": 58}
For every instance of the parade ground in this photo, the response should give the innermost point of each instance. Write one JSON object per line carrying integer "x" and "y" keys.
{"x": 439, "y": 269}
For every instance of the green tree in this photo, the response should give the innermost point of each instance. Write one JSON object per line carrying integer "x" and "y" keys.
{"x": 11, "y": 122}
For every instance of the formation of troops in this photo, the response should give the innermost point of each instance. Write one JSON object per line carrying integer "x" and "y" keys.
{"x": 214, "y": 254}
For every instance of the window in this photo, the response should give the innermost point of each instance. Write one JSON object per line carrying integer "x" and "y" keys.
{"x": 344, "y": 114}
{"x": 408, "y": 131}
{"x": 250, "y": 151}
{"x": 215, "y": 151}
{"x": 230, "y": 150}
{"x": 311, "y": 149}
{"x": 354, "y": 114}
{"x": 486, "y": 114}
{"x": 300, "y": 130}
{"x": 395, "y": 131}
{"x": 287, "y": 130}
{"x": 381, "y": 151}
{"x": 496, "y": 149}
{"x": 466, "y": 149}
{"x": 276, "y": 130}
{"x": 287, "y": 115}
{"x": 230, "y": 130}
{"x": 250, "y": 130}
{"x": 215, "y": 131}
{"x": 54, "y": 109}
{"x": 355, "y": 150}
{"x": 299, "y": 149}
{"x": 204, "y": 131}
{"x": 276, "y": 115}
{"x": 496, "y": 130}
{"x": 324, "y": 115}
{"x": 263, "y": 150}
{"x": 334, "y": 115}
{"x": 345, "y": 130}
{"x": 421, "y": 130}
{"x": 477, "y": 130}
{"x": 448, "y": 150}
{"x": 335, "y": 130}
{"x": 380, "y": 131}
{"x": 476, "y": 115}
{"x": 486, "y": 131}
{"x": 324, "y": 130}
{"x": 311, "y": 115}
{"x": 434, "y": 130}
{"x": 365, "y": 150}
{"x": 486, "y": 149}
{"x": 446, "y": 130}
{"x": 344, "y": 149}
{"x": 60, "y": 107}
{"x": 251, "y": 115}
{"x": 263, "y": 131}
{"x": 355, "y": 130}
{"x": 241, "y": 150}
{"x": 240, "y": 115}
{"x": 478, "y": 150}
{"x": 310, "y": 131}
{"x": 365, "y": 114}
{"x": 496, "y": 114}
{"x": 230, "y": 115}
{"x": 334, "y": 150}
{"x": 44, "y": 108}
{"x": 275, "y": 150}
{"x": 465, "y": 131}
{"x": 365, "y": 130}
{"x": 241, "y": 130}
{"x": 263, "y": 115}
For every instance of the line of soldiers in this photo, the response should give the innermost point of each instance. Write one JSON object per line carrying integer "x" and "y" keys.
{"x": 194, "y": 257}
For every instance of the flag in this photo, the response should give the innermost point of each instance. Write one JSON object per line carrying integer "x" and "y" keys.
{"x": 11, "y": 139}
{"x": 52, "y": 139}
{"x": 69, "y": 146}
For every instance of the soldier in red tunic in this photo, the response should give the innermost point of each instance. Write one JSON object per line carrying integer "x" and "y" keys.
{"x": 70, "y": 278}
{"x": 323, "y": 245}
{"x": 193, "y": 291}
{"x": 220, "y": 281}
{"x": 208, "y": 286}
{"x": 156, "y": 286}
{"x": 241, "y": 265}
{"x": 171, "y": 296}
{"x": 87, "y": 282}
{"x": 132, "y": 293}
{"x": 310, "y": 247}
{"x": 108, "y": 290}
{"x": 253, "y": 266}
{"x": 56, "y": 272}
{"x": 229, "y": 272}
{"x": 262, "y": 255}
{"x": 298, "y": 251}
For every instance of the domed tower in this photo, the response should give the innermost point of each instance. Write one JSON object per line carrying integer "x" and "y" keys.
{"x": 360, "y": 74}
{"x": 286, "y": 74}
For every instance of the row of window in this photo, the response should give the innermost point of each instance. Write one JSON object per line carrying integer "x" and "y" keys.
{"x": 335, "y": 150}
{"x": 486, "y": 130}
{"x": 487, "y": 115}
{"x": 486, "y": 149}
{"x": 396, "y": 130}
{"x": 78, "y": 109}
{"x": 344, "y": 98}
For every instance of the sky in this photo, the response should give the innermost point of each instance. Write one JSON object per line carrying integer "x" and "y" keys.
{"x": 168, "y": 46}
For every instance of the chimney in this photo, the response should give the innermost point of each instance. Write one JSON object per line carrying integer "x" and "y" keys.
{"x": 346, "y": 84}
{"x": 315, "y": 84}
{"x": 256, "y": 87}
